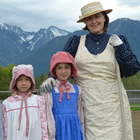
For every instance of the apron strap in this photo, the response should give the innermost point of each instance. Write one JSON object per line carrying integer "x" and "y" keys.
{"x": 121, "y": 101}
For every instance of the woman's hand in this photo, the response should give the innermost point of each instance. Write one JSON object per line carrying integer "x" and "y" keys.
{"x": 115, "y": 41}
{"x": 48, "y": 85}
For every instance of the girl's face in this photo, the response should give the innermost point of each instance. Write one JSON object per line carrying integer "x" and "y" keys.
{"x": 63, "y": 71}
{"x": 95, "y": 23}
{"x": 23, "y": 83}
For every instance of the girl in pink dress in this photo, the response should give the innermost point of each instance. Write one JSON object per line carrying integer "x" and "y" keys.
{"x": 24, "y": 112}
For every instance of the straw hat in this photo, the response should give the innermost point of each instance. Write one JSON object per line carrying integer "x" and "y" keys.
{"x": 91, "y": 9}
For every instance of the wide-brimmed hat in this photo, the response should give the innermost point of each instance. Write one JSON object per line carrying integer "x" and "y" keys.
{"x": 19, "y": 70}
{"x": 62, "y": 57}
{"x": 92, "y": 9}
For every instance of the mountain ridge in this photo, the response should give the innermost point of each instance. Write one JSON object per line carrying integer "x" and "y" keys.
{"x": 41, "y": 55}
{"x": 16, "y": 44}
{"x": 122, "y": 26}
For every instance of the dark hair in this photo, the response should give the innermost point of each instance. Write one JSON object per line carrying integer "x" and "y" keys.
{"x": 105, "y": 24}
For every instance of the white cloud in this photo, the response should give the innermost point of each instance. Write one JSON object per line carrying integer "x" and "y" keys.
{"x": 31, "y": 15}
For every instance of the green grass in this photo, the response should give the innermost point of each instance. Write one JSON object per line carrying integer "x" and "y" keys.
{"x": 135, "y": 107}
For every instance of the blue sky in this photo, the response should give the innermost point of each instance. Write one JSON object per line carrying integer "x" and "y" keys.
{"x": 31, "y": 15}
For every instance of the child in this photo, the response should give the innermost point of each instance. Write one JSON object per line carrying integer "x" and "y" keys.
{"x": 1, "y": 124}
{"x": 24, "y": 112}
{"x": 64, "y": 104}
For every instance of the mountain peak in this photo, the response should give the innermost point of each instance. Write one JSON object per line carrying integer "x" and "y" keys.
{"x": 39, "y": 46}
{"x": 52, "y": 27}
{"x": 13, "y": 28}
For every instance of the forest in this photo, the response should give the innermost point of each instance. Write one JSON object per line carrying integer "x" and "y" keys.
{"x": 130, "y": 83}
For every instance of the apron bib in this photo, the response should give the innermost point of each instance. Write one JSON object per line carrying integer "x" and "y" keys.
{"x": 97, "y": 76}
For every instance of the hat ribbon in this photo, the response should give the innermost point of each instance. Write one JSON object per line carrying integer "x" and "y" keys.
{"x": 67, "y": 87}
{"x": 24, "y": 97}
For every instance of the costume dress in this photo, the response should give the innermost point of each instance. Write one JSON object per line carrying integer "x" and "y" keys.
{"x": 100, "y": 93}
{"x": 65, "y": 114}
{"x": 1, "y": 124}
{"x": 36, "y": 115}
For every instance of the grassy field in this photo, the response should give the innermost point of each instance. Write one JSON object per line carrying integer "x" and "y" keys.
{"x": 135, "y": 107}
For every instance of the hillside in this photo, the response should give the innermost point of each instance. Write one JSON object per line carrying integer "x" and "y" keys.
{"x": 41, "y": 58}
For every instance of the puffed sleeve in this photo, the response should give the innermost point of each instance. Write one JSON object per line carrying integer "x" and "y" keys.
{"x": 49, "y": 115}
{"x": 4, "y": 121}
{"x": 71, "y": 45}
{"x": 80, "y": 109}
{"x": 126, "y": 59}
{"x": 41, "y": 105}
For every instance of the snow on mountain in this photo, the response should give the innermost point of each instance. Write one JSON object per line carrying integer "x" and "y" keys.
{"x": 34, "y": 40}
{"x": 16, "y": 44}
{"x": 57, "y": 32}
{"x": 45, "y": 35}
{"x": 27, "y": 38}
{"x": 10, "y": 28}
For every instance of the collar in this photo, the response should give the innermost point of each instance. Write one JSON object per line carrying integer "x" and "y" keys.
{"x": 96, "y": 37}
{"x": 61, "y": 86}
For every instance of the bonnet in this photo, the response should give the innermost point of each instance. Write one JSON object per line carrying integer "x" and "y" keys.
{"x": 62, "y": 57}
{"x": 19, "y": 70}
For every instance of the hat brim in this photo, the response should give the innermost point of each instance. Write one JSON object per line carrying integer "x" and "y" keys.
{"x": 74, "y": 70}
{"x": 93, "y": 13}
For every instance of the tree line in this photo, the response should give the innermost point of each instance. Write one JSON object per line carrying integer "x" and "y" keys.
{"x": 130, "y": 83}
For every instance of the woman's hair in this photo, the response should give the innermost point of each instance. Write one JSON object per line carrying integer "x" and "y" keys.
{"x": 105, "y": 24}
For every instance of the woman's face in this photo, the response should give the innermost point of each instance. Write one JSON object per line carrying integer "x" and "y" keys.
{"x": 95, "y": 23}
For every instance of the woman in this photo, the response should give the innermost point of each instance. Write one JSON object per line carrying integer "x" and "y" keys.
{"x": 99, "y": 57}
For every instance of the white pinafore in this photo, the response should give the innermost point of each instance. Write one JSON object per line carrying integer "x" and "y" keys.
{"x": 13, "y": 111}
{"x": 97, "y": 76}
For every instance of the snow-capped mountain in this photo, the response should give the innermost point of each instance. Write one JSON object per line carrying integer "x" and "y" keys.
{"x": 16, "y": 44}
{"x": 124, "y": 26}
{"x": 34, "y": 39}
{"x": 24, "y": 36}
{"x": 45, "y": 35}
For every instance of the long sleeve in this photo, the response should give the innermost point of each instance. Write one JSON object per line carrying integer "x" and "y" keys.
{"x": 1, "y": 124}
{"x": 49, "y": 115}
{"x": 71, "y": 45}
{"x": 96, "y": 44}
{"x": 80, "y": 109}
{"x": 127, "y": 61}
{"x": 41, "y": 103}
{"x": 4, "y": 121}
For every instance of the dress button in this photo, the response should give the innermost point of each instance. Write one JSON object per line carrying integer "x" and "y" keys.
{"x": 97, "y": 42}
